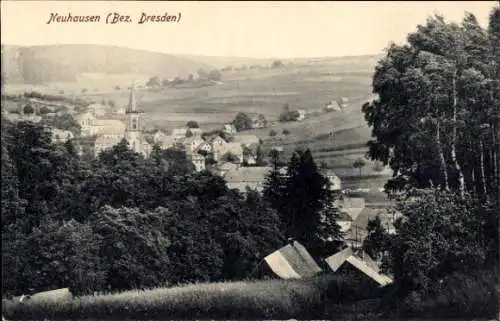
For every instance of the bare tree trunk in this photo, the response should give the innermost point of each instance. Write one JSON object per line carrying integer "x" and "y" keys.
{"x": 481, "y": 162}
{"x": 444, "y": 170}
{"x": 474, "y": 181}
{"x": 494, "y": 160}
{"x": 461, "y": 181}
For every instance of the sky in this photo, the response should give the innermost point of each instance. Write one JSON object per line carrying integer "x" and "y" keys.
{"x": 239, "y": 29}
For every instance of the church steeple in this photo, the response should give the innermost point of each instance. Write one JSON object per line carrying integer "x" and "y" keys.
{"x": 133, "y": 128}
{"x": 131, "y": 103}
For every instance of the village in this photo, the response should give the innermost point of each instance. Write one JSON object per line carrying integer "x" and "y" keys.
{"x": 235, "y": 156}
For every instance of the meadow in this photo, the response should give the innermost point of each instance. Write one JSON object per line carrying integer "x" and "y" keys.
{"x": 322, "y": 296}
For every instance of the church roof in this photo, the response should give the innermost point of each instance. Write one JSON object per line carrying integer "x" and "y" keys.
{"x": 108, "y": 140}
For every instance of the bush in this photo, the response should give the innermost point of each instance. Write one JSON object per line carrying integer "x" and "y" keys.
{"x": 458, "y": 296}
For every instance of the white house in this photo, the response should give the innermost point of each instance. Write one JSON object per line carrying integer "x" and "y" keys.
{"x": 217, "y": 141}
{"x": 206, "y": 147}
{"x": 196, "y": 131}
{"x": 192, "y": 143}
{"x": 158, "y": 136}
{"x": 60, "y": 136}
{"x": 302, "y": 114}
{"x": 198, "y": 161}
{"x": 97, "y": 109}
{"x": 333, "y": 106}
{"x": 87, "y": 123}
{"x": 335, "y": 181}
{"x": 229, "y": 129}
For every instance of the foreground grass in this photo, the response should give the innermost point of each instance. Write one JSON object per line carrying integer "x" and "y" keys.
{"x": 236, "y": 300}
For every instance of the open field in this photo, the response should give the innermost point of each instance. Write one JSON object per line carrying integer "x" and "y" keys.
{"x": 336, "y": 138}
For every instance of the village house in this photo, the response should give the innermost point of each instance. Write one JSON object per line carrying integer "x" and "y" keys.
{"x": 111, "y": 131}
{"x": 97, "y": 110}
{"x": 87, "y": 123}
{"x": 120, "y": 111}
{"x": 258, "y": 123}
{"x": 229, "y": 129}
{"x": 216, "y": 141}
{"x": 358, "y": 262}
{"x": 196, "y": 131}
{"x": 109, "y": 127}
{"x": 292, "y": 261}
{"x": 344, "y": 102}
{"x": 219, "y": 151}
{"x": 61, "y": 136}
{"x": 335, "y": 182}
{"x": 179, "y": 133}
{"x": 249, "y": 160}
{"x": 197, "y": 160}
{"x": 302, "y": 114}
{"x": 158, "y": 135}
{"x": 242, "y": 177}
{"x": 191, "y": 144}
{"x": 333, "y": 106}
{"x": 164, "y": 141}
{"x": 205, "y": 147}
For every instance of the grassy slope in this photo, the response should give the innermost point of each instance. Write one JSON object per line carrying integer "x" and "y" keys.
{"x": 313, "y": 298}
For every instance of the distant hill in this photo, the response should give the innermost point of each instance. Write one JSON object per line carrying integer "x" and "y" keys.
{"x": 58, "y": 63}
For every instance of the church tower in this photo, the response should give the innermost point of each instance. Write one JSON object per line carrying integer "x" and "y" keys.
{"x": 133, "y": 129}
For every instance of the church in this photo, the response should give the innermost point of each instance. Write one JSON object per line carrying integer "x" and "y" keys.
{"x": 132, "y": 131}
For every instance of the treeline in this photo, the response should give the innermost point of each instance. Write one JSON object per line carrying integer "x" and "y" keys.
{"x": 436, "y": 123}
{"x": 122, "y": 221}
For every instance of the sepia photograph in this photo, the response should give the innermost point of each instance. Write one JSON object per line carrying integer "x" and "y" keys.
{"x": 250, "y": 160}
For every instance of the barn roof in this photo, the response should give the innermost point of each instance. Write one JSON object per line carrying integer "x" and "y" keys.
{"x": 363, "y": 263}
{"x": 292, "y": 261}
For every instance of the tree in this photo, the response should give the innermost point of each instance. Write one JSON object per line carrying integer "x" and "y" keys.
{"x": 359, "y": 163}
{"x": 377, "y": 243}
{"x": 277, "y": 64}
{"x": 262, "y": 120}
{"x": 192, "y": 124}
{"x": 64, "y": 122}
{"x": 442, "y": 84}
{"x": 214, "y": 75}
{"x": 286, "y": 132}
{"x": 428, "y": 247}
{"x": 153, "y": 82}
{"x": 259, "y": 156}
{"x": 242, "y": 122}
{"x": 111, "y": 103}
{"x": 378, "y": 167}
{"x": 28, "y": 109}
{"x": 45, "y": 110}
{"x": 135, "y": 246}
{"x": 230, "y": 157}
{"x": 272, "y": 133}
{"x": 305, "y": 204}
